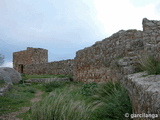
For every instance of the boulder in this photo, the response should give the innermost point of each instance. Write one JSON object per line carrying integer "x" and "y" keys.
{"x": 9, "y": 75}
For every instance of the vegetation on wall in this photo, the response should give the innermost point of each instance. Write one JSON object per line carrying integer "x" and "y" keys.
{"x": 149, "y": 63}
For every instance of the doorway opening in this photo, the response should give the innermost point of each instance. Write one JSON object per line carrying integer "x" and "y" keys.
{"x": 21, "y": 66}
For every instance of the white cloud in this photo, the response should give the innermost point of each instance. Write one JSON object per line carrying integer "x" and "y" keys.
{"x": 121, "y": 14}
{"x": 8, "y": 64}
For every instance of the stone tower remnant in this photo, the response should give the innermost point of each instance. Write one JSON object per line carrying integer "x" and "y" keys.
{"x": 29, "y": 56}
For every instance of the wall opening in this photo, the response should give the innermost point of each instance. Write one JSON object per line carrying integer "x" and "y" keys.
{"x": 21, "y": 67}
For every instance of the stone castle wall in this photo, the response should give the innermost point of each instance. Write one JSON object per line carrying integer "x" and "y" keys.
{"x": 115, "y": 58}
{"x": 109, "y": 59}
{"x": 151, "y": 36}
{"x": 29, "y": 56}
{"x": 64, "y": 67}
{"x": 98, "y": 62}
{"x": 35, "y": 61}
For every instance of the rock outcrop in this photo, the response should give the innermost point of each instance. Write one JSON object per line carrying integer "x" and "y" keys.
{"x": 9, "y": 75}
{"x": 144, "y": 92}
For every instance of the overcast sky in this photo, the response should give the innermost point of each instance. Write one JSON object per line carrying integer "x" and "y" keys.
{"x": 66, "y": 26}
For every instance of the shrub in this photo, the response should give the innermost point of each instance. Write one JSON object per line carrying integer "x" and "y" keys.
{"x": 88, "y": 89}
{"x": 21, "y": 82}
{"x": 50, "y": 86}
{"x": 61, "y": 105}
{"x": 113, "y": 101}
{"x": 150, "y": 64}
{"x": 2, "y": 82}
{"x": 30, "y": 90}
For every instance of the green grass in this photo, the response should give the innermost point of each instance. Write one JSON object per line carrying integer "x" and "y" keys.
{"x": 50, "y": 86}
{"x": 64, "y": 87}
{"x": 25, "y": 77}
{"x": 62, "y": 104}
{"x": 25, "y": 116}
{"x": 88, "y": 89}
{"x": 150, "y": 64}
{"x": 2, "y": 83}
{"x": 109, "y": 101}
{"x": 113, "y": 101}
{"x": 68, "y": 101}
{"x": 19, "y": 95}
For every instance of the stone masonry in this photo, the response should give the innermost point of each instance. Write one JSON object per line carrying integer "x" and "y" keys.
{"x": 29, "y": 56}
{"x": 35, "y": 61}
{"x": 97, "y": 63}
{"x": 115, "y": 59}
{"x": 116, "y": 56}
{"x": 151, "y": 36}
{"x": 112, "y": 59}
{"x": 64, "y": 67}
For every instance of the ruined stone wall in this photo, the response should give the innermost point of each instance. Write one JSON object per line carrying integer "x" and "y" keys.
{"x": 115, "y": 58}
{"x": 98, "y": 62}
{"x": 64, "y": 67}
{"x": 151, "y": 36}
{"x": 35, "y": 61}
{"x": 29, "y": 56}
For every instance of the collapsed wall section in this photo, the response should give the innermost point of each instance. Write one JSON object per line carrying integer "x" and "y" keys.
{"x": 97, "y": 63}
{"x": 64, "y": 67}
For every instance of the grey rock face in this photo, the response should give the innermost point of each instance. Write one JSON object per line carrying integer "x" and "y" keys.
{"x": 9, "y": 75}
{"x": 144, "y": 93}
